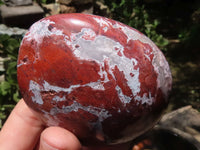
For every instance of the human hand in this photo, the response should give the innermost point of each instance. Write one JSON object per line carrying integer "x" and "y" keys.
{"x": 24, "y": 131}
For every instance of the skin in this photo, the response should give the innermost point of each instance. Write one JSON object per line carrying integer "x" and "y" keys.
{"x": 24, "y": 131}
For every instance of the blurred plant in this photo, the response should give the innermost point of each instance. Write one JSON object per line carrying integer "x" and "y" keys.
{"x": 1, "y": 2}
{"x": 9, "y": 91}
{"x": 190, "y": 36}
{"x": 133, "y": 13}
{"x": 46, "y": 1}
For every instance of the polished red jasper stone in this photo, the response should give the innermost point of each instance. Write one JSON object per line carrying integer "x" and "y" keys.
{"x": 102, "y": 80}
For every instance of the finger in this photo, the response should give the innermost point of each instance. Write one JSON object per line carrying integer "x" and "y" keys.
{"x": 21, "y": 130}
{"x": 57, "y": 138}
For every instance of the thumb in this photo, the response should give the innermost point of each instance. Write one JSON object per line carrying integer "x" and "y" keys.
{"x": 57, "y": 138}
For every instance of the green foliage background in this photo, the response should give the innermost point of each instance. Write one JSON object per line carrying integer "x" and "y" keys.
{"x": 134, "y": 14}
{"x": 9, "y": 91}
{"x": 175, "y": 31}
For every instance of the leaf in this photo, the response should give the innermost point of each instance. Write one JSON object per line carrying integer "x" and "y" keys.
{"x": 12, "y": 45}
{"x": 114, "y": 6}
{"x": 13, "y": 56}
{"x": 43, "y": 1}
{"x": 122, "y": 3}
{"x": 2, "y": 115}
{"x": 156, "y": 22}
{"x": 12, "y": 68}
{"x": 4, "y": 37}
{"x": 4, "y": 87}
{"x": 16, "y": 96}
{"x": 8, "y": 106}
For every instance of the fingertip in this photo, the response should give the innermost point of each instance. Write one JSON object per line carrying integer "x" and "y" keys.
{"x": 57, "y": 138}
{"x": 22, "y": 128}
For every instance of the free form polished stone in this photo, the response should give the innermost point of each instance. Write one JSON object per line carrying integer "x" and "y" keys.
{"x": 102, "y": 80}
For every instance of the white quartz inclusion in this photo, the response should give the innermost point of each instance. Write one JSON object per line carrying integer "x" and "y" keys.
{"x": 103, "y": 48}
{"x": 101, "y": 113}
{"x": 40, "y": 29}
{"x": 159, "y": 62}
{"x": 36, "y": 89}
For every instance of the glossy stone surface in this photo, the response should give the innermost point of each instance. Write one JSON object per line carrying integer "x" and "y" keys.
{"x": 103, "y": 80}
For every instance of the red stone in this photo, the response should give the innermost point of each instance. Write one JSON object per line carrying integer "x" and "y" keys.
{"x": 102, "y": 80}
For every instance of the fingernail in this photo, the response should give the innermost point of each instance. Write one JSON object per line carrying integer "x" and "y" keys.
{"x": 45, "y": 146}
